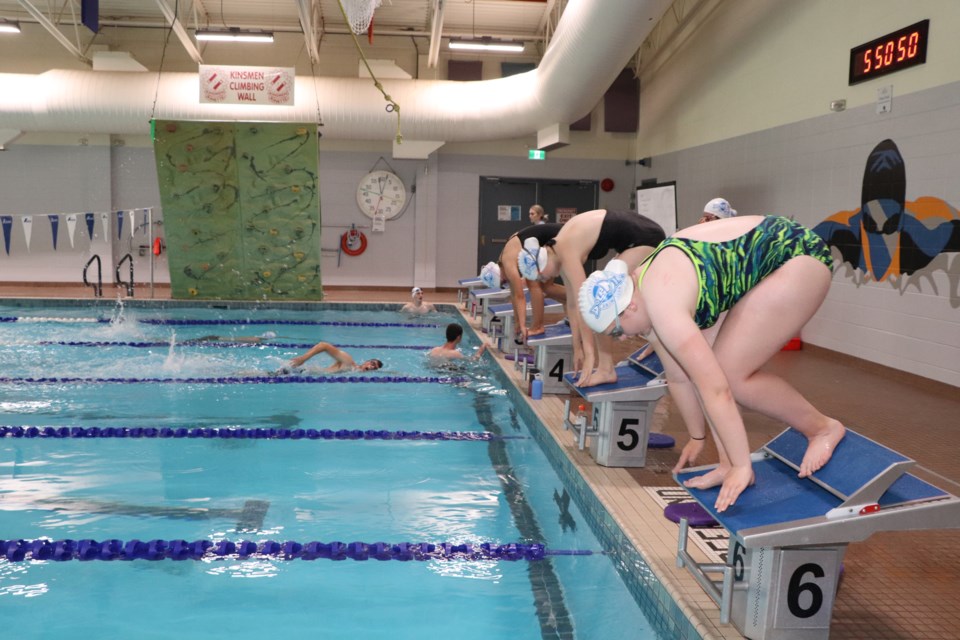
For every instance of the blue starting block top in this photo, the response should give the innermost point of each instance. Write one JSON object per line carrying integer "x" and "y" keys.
{"x": 482, "y": 294}
{"x": 475, "y": 281}
{"x": 633, "y": 385}
{"x": 559, "y": 333}
{"x": 861, "y": 490}
{"x": 647, "y": 359}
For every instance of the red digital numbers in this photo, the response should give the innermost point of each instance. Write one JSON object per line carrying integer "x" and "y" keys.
{"x": 898, "y": 50}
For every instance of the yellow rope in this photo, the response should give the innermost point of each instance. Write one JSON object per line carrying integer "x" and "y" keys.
{"x": 391, "y": 104}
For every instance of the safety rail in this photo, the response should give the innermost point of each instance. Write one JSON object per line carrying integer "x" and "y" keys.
{"x": 128, "y": 285}
{"x": 98, "y": 287}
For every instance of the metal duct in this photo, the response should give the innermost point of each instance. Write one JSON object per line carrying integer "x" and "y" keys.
{"x": 594, "y": 40}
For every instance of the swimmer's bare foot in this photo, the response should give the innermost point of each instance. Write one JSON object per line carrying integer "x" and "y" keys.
{"x": 597, "y": 376}
{"x": 536, "y": 332}
{"x": 711, "y": 478}
{"x": 821, "y": 447}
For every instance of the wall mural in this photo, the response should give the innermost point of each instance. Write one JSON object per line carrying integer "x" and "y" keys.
{"x": 889, "y": 238}
{"x": 241, "y": 209}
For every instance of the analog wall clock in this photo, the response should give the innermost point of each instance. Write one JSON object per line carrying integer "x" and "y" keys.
{"x": 381, "y": 192}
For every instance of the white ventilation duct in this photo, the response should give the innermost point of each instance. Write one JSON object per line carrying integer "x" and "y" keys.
{"x": 593, "y": 42}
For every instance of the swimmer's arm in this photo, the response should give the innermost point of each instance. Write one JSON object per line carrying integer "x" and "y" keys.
{"x": 480, "y": 351}
{"x": 342, "y": 357}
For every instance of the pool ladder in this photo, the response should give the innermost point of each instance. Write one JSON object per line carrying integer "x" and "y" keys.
{"x": 128, "y": 284}
{"x": 98, "y": 286}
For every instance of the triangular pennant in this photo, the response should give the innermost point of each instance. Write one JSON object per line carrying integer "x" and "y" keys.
{"x": 105, "y": 219}
{"x": 91, "y": 220}
{"x": 119, "y": 224}
{"x": 71, "y": 227}
{"x": 54, "y": 226}
{"x": 133, "y": 222}
{"x": 7, "y": 223}
{"x": 27, "y": 222}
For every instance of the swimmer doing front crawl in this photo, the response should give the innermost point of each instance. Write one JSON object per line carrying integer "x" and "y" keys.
{"x": 771, "y": 275}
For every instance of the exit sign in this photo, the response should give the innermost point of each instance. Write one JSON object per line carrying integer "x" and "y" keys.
{"x": 537, "y": 154}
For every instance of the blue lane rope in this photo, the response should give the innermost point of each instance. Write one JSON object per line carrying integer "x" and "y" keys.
{"x": 284, "y": 379}
{"x": 225, "y": 343}
{"x": 246, "y": 321}
{"x": 134, "y": 549}
{"x": 243, "y": 433}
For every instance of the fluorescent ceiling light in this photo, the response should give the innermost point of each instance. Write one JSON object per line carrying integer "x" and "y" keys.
{"x": 234, "y": 35}
{"x": 9, "y": 26}
{"x": 486, "y": 44}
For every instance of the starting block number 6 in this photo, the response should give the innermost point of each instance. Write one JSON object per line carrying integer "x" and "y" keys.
{"x": 802, "y": 583}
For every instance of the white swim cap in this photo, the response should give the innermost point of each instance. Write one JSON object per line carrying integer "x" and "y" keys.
{"x": 604, "y": 294}
{"x": 532, "y": 259}
{"x": 720, "y": 208}
{"x": 415, "y": 291}
{"x": 268, "y": 335}
{"x": 490, "y": 274}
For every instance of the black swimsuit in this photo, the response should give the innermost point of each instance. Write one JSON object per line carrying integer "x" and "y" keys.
{"x": 542, "y": 232}
{"x": 622, "y": 230}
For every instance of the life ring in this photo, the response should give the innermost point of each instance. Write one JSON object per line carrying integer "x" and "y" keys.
{"x": 157, "y": 246}
{"x": 353, "y": 242}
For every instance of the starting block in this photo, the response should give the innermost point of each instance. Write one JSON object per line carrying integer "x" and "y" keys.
{"x": 482, "y": 299}
{"x": 648, "y": 360}
{"x": 466, "y": 285}
{"x": 554, "y": 353}
{"x": 788, "y": 535}
{"x": 622, "y": 411}
{"x": 505, "y": 313}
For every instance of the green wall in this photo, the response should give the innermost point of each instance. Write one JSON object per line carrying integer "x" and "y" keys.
{"x": 241, "y": 209}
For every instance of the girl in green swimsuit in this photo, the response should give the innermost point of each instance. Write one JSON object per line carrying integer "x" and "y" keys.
{"x": 770, "y": 275}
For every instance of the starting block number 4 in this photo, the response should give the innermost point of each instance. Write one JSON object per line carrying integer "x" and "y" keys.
{"x": 784, "y": 592}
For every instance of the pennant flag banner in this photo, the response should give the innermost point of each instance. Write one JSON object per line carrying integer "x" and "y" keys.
{"x": 91, "y": 220}
{"x": 27, "y": 222}
{"x": 133, "y": 223}
{"x": 105, "y": 219}
{"x": 71, "y": 226}
{"x": 54, "y": 225}
{"x": 119, "y": 224}
{"x": 7, "y": 223}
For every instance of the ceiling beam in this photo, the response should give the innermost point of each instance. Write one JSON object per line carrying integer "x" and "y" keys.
{"x": 436, "y": 34}
{"x": 47, "y": 24}
{"x": 309, "y": 18}
{"x": 181, "y": 32}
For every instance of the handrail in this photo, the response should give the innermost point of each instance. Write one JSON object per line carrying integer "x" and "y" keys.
{"x": 98, "y": 287}
{"x": 129, "y": 285}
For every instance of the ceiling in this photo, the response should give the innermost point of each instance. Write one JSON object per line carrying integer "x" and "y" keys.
{"x": 527, "y": 20}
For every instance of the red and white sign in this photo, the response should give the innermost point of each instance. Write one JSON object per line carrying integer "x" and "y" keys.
{"x": 247, "y": 85}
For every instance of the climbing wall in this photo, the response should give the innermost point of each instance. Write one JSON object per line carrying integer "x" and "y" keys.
{"x": 241, "y": 209}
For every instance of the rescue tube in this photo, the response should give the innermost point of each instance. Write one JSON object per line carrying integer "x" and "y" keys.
{"x": 353, "y": 242}
{"x": 157, "y": 246}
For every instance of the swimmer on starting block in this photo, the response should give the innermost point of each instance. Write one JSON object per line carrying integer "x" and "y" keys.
{"x": 589, "y": 236}
{"x": 451, "y": 349}
{"x": 771, "y": 275}
{"x": 505, "y": 269}
{"x": 343, "y": 360}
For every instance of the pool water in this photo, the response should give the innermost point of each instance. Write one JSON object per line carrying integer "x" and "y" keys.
{"x": 60, "y": 368}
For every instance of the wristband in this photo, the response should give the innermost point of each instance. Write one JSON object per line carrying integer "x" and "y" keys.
{"x": 703, "y": 437}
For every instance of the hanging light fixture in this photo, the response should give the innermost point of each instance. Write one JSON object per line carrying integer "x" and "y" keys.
{"x": 9, "y": 26}
{"x": 486, "y": 44}
{"x": 234, "y": 34}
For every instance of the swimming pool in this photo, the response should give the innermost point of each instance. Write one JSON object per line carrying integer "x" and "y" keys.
{"x": 118, "y": 432}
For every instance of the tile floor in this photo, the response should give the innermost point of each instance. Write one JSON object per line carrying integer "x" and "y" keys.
{"x": 897, "y": 585}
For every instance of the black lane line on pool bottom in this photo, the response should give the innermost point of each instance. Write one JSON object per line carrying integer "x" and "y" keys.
{"x": 552, "y": 613}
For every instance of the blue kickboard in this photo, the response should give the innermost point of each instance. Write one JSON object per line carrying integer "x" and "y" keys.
{"x": 628, "y": 377}
{"x": 651, "y": 362}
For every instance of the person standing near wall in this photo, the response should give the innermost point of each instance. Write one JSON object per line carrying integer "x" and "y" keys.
{"x": 537, "y": 215}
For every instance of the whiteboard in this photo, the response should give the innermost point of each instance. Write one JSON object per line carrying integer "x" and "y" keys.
{"x": 659, "y": 203}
